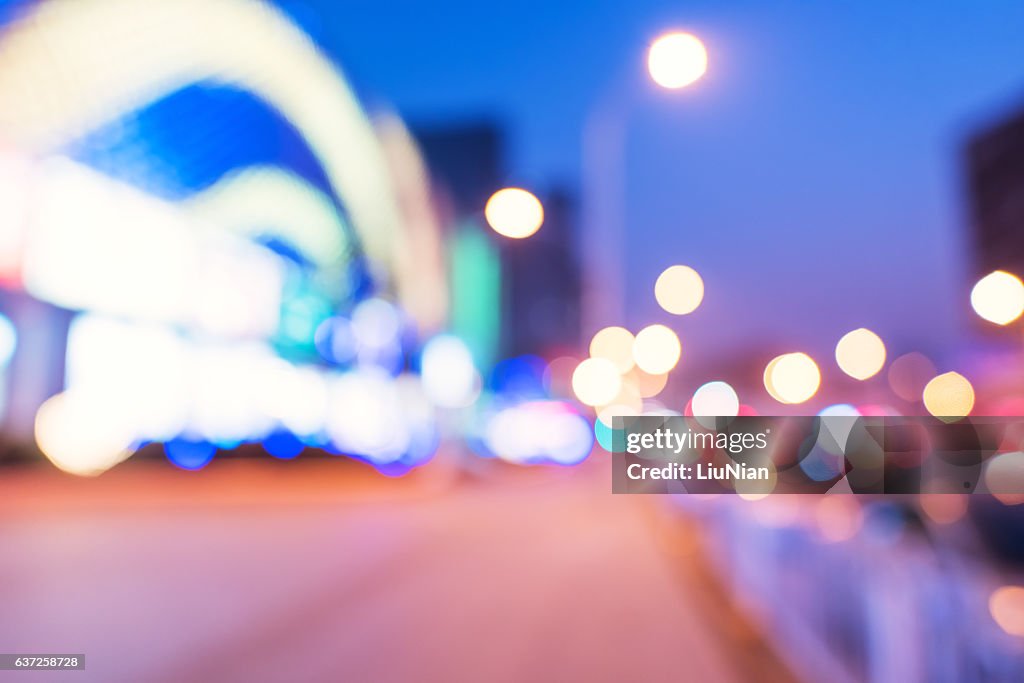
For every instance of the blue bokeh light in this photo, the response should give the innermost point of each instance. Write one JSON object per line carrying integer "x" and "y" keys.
{"x": 189, "y": 455}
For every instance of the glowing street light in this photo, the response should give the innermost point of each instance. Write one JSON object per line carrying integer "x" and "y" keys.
{"x": 679, "y": 290}
{"x": 676, "y": 59}
{"x": 514, "y": 212}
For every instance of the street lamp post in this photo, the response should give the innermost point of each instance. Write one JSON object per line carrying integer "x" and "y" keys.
{"x": 674, "y": 60}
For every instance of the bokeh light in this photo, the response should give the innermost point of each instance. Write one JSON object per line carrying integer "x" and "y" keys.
{"x": 998, "y": 297}
{"x": 376, "y": 323}
{"x": 188, "y": 454}
{"x": 283, "y": 445}
{"x": 628, "y": 401}
{"x": 1006, "y": 605}
{"x": 837, "y": 423}
{"x": 447, "y": 372}
{"x": 647, "y": 385}
{"x": 607, "y": 414}
{"x": 514, "y": 212}
{"x": 715, "y": 399}
{"x": 77, "y": 435}
{"x": 596, "y": 381}
{"x": 335, "y": 340}
{"x": 677, "y": 59}
{"x": 792, "y": 378}
{"x": 949, "y": 396}
{"x": 614, "y": 344}
{"x": 839, "y": 517}
{"x": 679, "y": 290}
{"x": 377, "y": 329}
{"x": 539, "y": 431}
{"x": 656, "y": 349}
{"x": 757, "y": 489}
{"x": 943, "y": 508}
{"x": 908, "y": 375}
{"x": 860, "y": 353}
{"x": 366, "y": 416}
{"x": 558, "y": 376}
{"x": 1004, "y": 477}
{"x": 519, "y": 378}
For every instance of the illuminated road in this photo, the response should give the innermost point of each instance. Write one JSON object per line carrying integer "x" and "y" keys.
{"x": 317, "y": 571}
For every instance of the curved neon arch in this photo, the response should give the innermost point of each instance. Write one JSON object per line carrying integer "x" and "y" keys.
{"x": 257, "y": 199}
{"x": 72, "y": 65}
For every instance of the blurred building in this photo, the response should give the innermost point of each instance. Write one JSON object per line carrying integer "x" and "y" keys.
{"x": 995, "y": 176}
{"x": 202, "y": 248}
{"x": 542, "y": 292}
{"x": 512, "y": 297}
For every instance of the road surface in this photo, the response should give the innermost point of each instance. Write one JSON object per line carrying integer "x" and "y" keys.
{"x": 324, "y": 571}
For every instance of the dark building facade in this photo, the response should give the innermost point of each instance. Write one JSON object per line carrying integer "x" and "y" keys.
{"x": 539, "y": 276}
{"x": 542, "y": 286}
{"x": 995, "y": 178}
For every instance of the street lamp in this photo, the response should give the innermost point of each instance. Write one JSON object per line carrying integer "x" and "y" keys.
{"x": 674, "y": 60}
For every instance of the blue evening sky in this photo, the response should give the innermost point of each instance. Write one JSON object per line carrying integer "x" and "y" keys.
{"x": 813, "y": 177}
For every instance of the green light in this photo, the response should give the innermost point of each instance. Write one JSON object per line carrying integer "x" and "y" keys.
{"x": 476, "y": 293}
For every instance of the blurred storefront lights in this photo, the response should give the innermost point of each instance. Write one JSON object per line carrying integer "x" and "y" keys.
{"x": 15, "y": 196}
{"x": 520, "y": 378}
{"x": 80, "y": 436}
{"x": 96, "y": 244}
{"x": 204, "y": 315}
{"x": 335, "y": 340}
{"x": 92, "y": 62}
{"x": 365, "y": 416}
{"x": 447, "y": 372}
{"x": 538, "y": 432}
{"x": 377, "y": 328}
{"x": 296, "y": 398}
{"x": 188, "y": 454}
